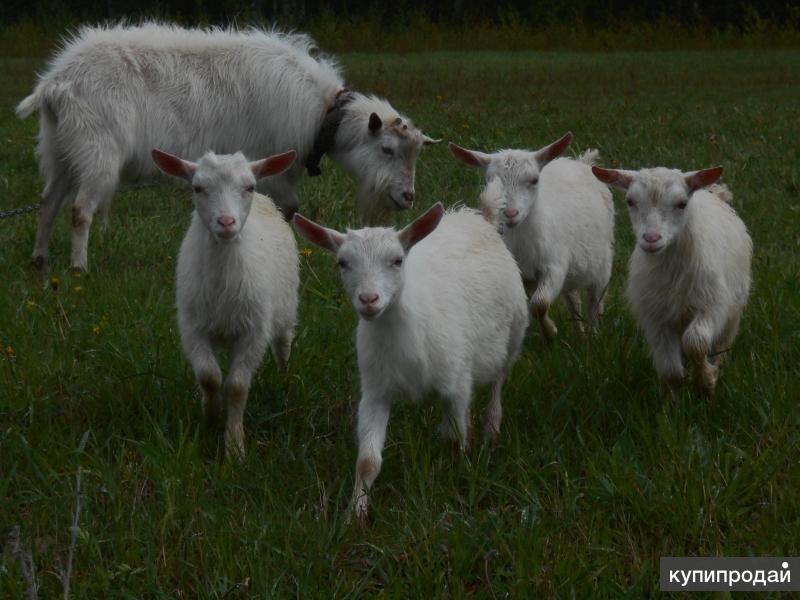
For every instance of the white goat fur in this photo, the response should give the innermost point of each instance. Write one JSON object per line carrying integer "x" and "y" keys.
{"x": 240, "y": 293}
{"x": 563, "y": 236}
{"x": 111, "y": 94}
{"x": 689, "y": 293}
{"x": 453, "y": 316}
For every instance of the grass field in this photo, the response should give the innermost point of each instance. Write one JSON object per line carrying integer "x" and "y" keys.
{"x": 594, "y": 478}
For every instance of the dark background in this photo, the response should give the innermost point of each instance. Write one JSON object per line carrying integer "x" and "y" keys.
{"x": 716, "y": 14}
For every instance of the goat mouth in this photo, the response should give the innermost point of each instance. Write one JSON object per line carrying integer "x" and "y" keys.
{"x": 652, "y": 249}
{"x": 369, "y": 314}
{"x": 400, "y": 204}
{"x": 226, "y": 237}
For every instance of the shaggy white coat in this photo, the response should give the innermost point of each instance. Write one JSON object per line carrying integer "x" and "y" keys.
{"x": 113, "y": 93}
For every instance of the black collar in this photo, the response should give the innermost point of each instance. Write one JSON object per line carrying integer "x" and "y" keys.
{"x": 327, "y": 132}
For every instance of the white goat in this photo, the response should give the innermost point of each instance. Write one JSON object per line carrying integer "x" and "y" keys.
{"x": 110, "y": 94}
{"x": 557, "y": 220}
{"x": 689, "y": 274}
{"x": 235, "y": 285}
{"x": 438, "y": 313}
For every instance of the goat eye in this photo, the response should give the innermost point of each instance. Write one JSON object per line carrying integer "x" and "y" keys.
{"x": 397, "y": 261}
{"x": 388, "y": 151}
{"x": 250, "y": 189}
{"x": 680, "y": 205}
{"x": 198, "y": 190}
{"x": 631, "y": 202}
{"x": 342, "y": 263}
{"x": 534, "y": 180}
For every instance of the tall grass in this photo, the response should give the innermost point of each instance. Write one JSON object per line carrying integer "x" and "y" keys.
{"x": 595, "y": 476}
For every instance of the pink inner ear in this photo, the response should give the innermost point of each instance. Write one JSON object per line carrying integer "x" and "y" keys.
{"x": 422, "y": 226}
{"x": 171, "y": 165}
{"x": 275, "y": 165}
{"x": 612, "y": 177}
{"x": 466, "y": 156}
{"x": 555, "y": 149}
{"x": 317, "y": 234}
{"x": 703, "y": 178}
{"x": 605, "y": 175}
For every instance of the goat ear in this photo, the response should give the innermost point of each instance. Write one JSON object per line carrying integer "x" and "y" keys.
{"x": 273, "y": 165}
{"x": 554, "y": 150}
{"x": 470, "y": 157}
{"x": 173, "y": 165}
{"x": 429, "y": 141}
{"x": 421, "y": 226}
{"x": 700, "y": 179}
{"x": 375, "y": 123}
{"x": 330, "y": 239}
{"x": 620, "y": 179}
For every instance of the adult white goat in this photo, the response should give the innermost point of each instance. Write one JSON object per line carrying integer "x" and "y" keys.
{"x": 235, "y": 285}
{"x": 110, "y": 94}
{"x": 441, "y": 308}
{"x": 689, "y": 274}
{"x": 557, "y": 220}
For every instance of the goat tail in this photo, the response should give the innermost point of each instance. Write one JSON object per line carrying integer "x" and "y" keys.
{"x": 721, "y": 191}
{"x": 491, "y": 202}
{"x": 590, "y": 157}
{"x": 30, "y": 104}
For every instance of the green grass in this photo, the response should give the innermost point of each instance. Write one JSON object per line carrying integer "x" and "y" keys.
{"x": 594, "y": 477}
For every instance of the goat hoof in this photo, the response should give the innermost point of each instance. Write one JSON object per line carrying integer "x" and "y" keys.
{"x": 39, "y": 263}
{"x": 358, "y": 518}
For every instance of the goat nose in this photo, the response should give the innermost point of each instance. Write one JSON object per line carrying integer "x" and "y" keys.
{"x": 651, "y": 237}
{"x": 408, "y": 197}
{"x": 511, "y": 212}
{"x": 226, "y": 220}
{"x": 368, "y": 298}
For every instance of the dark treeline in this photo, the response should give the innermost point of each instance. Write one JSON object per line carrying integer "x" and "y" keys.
{"x": 717, "y": 14}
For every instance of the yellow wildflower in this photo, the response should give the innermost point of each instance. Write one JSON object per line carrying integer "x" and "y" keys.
{"x": 306, "y": 252}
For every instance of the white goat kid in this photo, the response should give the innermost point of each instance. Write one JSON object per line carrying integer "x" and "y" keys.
{"x": 558, "y": 222}
{"x": 112, "y": 93}
{"x": 236, "y": 279}
{"x": 689, "y": 276}
{"x": 441, "y": 309}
